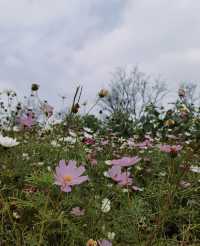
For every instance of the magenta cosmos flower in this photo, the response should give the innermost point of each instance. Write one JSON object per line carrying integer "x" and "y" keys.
{"x": 69, "y": 175}
{"x": 88, "y": 141}
{"x": 171, "y": 149}
{"x": 122, "y": 178}
{"x": 126, "y": 161}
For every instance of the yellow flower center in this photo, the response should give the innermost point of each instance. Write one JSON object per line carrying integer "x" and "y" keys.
{"x": 91, "y": 242}
{"x": 67, "y": 178}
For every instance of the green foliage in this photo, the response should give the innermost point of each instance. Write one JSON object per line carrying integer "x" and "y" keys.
{"x": 91, "y": 122}
{"x": 121, "y": 123}
{"x": 34, "y": 211}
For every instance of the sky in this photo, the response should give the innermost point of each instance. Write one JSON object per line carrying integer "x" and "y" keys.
{"x": 60, "y": 44}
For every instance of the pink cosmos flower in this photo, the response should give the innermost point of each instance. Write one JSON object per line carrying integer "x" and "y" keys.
{"x": 126, "y": 161}
{"x": 130, "y": 142}
{"x": 104, "y": 142}
{"x": 69, "y": 175}
{"x": 147, "y": 137}
{"x": 93, "y": 162}
{"x": 136, "y": 188}
{"x": 122, "y": 178}
{"x": 144, "y": 145}
{"x": 27, "y": 121}
{"x": 77, "y": 211}
{"x": 91, "y": 157}
{"x": 171, "y": 136}
{"x": 48, "y": 109}
{"x": 171, "y": 149}
{"x": 104, "y": 243}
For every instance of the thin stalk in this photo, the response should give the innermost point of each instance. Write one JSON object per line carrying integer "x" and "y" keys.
{"x": 43, "y": 222}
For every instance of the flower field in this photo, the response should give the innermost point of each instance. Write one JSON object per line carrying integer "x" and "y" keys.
{"x": 81, "y": 181}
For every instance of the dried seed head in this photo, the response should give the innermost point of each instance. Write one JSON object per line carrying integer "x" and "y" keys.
{"x": 103, "y": 93}
{"x": 35, "y": 87}
{"x": 75, "y": 108}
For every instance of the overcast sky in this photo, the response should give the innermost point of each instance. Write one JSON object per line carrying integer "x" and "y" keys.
{"x": 62, "y": 43}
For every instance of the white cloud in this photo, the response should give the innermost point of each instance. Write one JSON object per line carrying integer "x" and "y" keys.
{"x": 61, "y": 43}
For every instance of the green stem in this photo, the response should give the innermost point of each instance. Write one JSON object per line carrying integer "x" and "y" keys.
{"x": 43, "y": 221}
{"x": 92, "y": 106}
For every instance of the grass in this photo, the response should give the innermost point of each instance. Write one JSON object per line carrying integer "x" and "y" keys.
{"x": 35, "y": 212}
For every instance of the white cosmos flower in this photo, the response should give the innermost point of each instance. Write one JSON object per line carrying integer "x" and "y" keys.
{"x": 16, "y": 129}
{"x": 49, "y": 168}
{"x": 55, "y": 143}
{"x": 16, "y": 215}
{"x": 8, "y": 142}
{"x": 86, "y": 129}
{"x": 105, "y": 205}
{"x": 72, "y": 134}
{"x": 111, "y": 235}
{"x": 70, "y": 140}
{"x": 87, "y": 135}
{"x": 195, "y": 169}
{"x": 162, "y": 174}
{"x": 105, "y": 174}
{"x": 108, "y": 162}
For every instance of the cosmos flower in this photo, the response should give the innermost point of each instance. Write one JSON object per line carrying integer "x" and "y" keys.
{"x": 86, "y": 129}
{"x": 171, "y": 149}
{"x": 111, "y": 235}
{"x": 195, "y": 169}
{"x": 122, "y": 178}
{"x": 8, "y": 142}
{"x": 26, "y": 121}
{"x": 104, "y": 242}
{"x": 91, "y": 242}
{"x": 88, "y": 141}
{"x": 144, "y": 145}
{"x": 69, "y": 175}
{"x": 126, "y": 161}
{"x": 77, "y": 211}
{"x": 105, "y": 205}
{"x": 93, "y": 162}
{"x": 70, "y": 140}
{"x": 47, "y": 109}
{"x": 136, "y": 188}
{"x": 104, "y": 142}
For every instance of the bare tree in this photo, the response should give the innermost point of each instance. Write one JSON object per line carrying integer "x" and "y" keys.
{"x": 191, "y": 93}
{"x": 131, "y": 92}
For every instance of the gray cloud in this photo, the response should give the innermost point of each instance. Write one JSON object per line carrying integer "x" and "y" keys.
{"x": 62, "y": 44}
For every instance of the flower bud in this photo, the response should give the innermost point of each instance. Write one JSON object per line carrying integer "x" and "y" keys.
{"x": 75, "y": 108}
{"x": 35, "y": 87}
{"x": 103, "y": 93}
{"x": 181, "y": 93}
